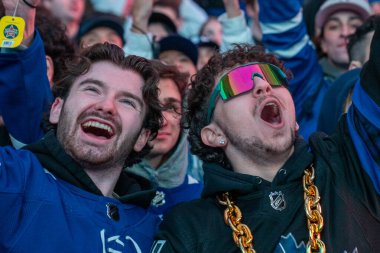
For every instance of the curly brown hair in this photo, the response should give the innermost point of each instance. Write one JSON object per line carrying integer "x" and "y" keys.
{"x": 111, "y": 53}
{"x": 202, "y": 85}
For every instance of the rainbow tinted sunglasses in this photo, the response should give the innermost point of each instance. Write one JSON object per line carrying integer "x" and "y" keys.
{"x": 239, "y": 80}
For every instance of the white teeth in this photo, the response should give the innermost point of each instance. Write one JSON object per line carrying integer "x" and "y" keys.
{"x": 98, "y": 125}
{"x": 275, "y": 107}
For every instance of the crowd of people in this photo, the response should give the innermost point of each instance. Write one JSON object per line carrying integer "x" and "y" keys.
{"x": 169, "y": 126}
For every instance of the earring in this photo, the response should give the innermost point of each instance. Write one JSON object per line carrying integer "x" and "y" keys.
{"x": 222, "y": 142}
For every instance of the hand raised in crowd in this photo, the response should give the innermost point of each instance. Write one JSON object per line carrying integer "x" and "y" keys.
{"x": 141, "y": 11}
{"x": 232, "y": 8}
{"x": 25, "y": 9}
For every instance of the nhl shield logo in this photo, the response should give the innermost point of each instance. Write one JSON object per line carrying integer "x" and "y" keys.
{"x": 159, "y": 199}
{"x": 277, "y": 200}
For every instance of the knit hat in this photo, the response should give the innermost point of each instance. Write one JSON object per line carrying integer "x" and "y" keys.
{"x": 181, "y": 44}
{"x": 371, "y": 69}
{"x": 361, "y": 7}
{"x": 101, "y": 19}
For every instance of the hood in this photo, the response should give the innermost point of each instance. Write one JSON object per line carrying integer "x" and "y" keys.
{"x": 172, "y": 172}
{"x": 131, "y": 188}
{"x": 218, "y": 179}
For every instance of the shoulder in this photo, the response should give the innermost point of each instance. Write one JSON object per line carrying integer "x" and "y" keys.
{"x": 192, "y": 212}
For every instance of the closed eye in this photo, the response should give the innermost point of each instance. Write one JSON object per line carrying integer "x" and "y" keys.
{"x": 129, "y": 102}
{"x": 92, "y": 89}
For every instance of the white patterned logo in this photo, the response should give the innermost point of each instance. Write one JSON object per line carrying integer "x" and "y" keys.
{"x": 277, "y": 200}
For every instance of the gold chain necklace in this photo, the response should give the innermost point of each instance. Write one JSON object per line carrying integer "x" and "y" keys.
{"x": 242, "y": 235}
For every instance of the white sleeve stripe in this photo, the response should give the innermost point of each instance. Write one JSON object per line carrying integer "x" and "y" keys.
{"x": 280, "y": 27}
{"x": 294, "y": 50}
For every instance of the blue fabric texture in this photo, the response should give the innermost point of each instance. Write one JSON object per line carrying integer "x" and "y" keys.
{"x": 25, "y": 92}
{"x": 46, "y": 214}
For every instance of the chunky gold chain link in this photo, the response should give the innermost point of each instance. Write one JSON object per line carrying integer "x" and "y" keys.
{"x": 240, "y": 232}
{"x": 313, "y": 212}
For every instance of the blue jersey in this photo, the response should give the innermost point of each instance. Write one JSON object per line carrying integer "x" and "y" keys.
{"x": 42, "y": 213}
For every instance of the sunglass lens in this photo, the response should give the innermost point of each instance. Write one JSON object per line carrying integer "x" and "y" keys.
{"x": 240, "y": 80}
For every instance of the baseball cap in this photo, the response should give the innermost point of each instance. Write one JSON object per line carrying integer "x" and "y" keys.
{"x": 181, "y": 44}
{"x": 101, "y": 20}
{"x": 361, "y": 7}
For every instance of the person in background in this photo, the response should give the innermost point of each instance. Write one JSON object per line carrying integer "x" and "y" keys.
{"x": 266, "y": 189}
{"x": 284, "y": 33}
{"x": 180, "y": 52}
{"x": 170, "y": 165}
{"x": 335, "y": 21}
{"x": 58, "y": 47}
{"x": 140, "y": 41}
{"x": 100, "y": 28}
{"x": 338, "y": 97}
{"x": 160, "y": 26}
{"x": 253, "y": 10}
{"x": 211, "y": 30}
{"x": 187, "y": 15}
{"x": 70, "y": 12}
{"x": 206, "y": 50}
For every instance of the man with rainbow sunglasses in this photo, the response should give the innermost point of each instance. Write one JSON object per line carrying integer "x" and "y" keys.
{"x": 266, "y": 189}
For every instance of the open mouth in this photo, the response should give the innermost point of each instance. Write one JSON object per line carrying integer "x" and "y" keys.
{"x": 271, "y": 113}
{"x": 98, "y": 129}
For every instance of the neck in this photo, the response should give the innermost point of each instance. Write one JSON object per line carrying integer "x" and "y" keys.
{"x": 104, "y": 179}
{"x": 156, "y": 161}
{"x": 342, "y": 66}
{"x": 264, "y": 165}
{"x": 72, "y": 29}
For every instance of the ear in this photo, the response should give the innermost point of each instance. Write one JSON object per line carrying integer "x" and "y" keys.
{"x": 55, "y": 110}
{"x": 141, "y": 140}
{"x": 50, "y": 69}
{"x": 212, "y": 136}
{"x": 297, "y": 127}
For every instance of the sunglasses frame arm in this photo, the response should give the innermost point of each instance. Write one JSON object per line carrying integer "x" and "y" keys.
{"x": 212, "y": 103}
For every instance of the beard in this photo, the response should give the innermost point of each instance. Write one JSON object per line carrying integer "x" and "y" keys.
{"x": 90, "y": 155}
{"x": 253, "y": 146}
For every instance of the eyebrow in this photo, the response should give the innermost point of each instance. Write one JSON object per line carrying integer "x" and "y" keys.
{"x": 102, "y": 85}
{"x": 355, "y": 17}
{"x": 171, "y": 100}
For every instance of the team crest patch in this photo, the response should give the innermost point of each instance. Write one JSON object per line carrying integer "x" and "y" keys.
{"x": 277, "y": 200}
{"x": 159, "y": 199}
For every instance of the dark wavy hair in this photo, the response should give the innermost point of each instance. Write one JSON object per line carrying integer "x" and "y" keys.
{"x": 56, "y": 43}
{"x": 81, "y": 64}
{"x": 202, "y": 85}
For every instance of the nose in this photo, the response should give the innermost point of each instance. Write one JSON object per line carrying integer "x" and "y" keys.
{"x": 262, "y": 87}
{"x": 107, "y": 105}
{"x": 347, "y": 30}
{"x": 165, "y": 116}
